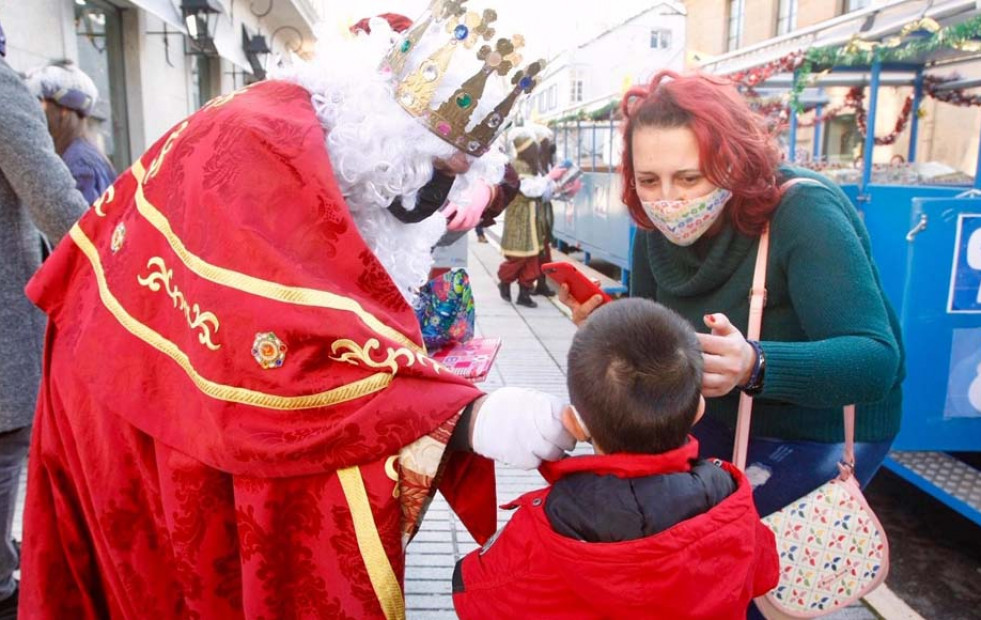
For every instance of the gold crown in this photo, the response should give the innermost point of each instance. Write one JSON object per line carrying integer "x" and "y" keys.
{"x": 417, "y": 85}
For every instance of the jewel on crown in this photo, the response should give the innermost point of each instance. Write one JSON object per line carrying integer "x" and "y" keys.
{"x": 419, "y": 80}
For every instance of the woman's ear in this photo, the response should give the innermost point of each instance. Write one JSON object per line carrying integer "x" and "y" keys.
{"x": 573, "y": 424}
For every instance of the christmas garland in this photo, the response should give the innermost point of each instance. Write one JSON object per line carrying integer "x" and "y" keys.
{"x": 954, "y": 96}
{"x": 916, "y": 40}
{"x": 855, "y": 99}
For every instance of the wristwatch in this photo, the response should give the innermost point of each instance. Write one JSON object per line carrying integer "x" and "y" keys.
{"x": 755, "y": 384}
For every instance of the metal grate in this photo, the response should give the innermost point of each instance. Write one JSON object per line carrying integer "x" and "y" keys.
{"x": 949, "y": 474}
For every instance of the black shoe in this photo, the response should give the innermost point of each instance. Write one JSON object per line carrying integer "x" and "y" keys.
{"x": 505, "y": 288}
{"x": 8, "y": 606}
{"x": 524, "y": 298}
{"x": 542, "y": 288}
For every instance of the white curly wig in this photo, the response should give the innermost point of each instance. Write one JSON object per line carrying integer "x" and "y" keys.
{"x": 379, "y": 152}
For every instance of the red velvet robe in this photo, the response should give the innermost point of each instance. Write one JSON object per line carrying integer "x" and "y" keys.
{"x": 171, "y": 474}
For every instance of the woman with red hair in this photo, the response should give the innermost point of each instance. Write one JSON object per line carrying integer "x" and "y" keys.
{"x": 702, "y": 179}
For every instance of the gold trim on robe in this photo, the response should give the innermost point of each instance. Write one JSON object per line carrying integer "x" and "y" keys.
{"x": 351, "y": 391}
{"x": 380, "y": 572}
{"x": 256, "y": 286}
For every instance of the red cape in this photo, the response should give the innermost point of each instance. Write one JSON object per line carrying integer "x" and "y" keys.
{"x": 171, "y": 472}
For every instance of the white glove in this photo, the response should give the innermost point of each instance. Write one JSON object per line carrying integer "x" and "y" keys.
{"x": 521, "y": 427}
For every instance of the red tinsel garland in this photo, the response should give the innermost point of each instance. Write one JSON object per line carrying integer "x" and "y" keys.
{"x": 855, "y": 99}
{"x": 955, "y": 97}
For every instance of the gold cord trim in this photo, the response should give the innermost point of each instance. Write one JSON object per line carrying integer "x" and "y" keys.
{"x": 160, "y": 279}
{"x": 255, "y": 286}
{"x": 380, "y": 572}
{"x": 344, "y": 393}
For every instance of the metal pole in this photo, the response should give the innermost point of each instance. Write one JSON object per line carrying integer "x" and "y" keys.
{"x": 610, "y": 167}
{"x": 593, "y": 158}
{"x": 977, "y": 172}
{"x": 792, "y": 156}
{"x": 565, "y": 136}
{"x": 578, "y": 142}
{"x": 792, "y": 146}
{"x": 914, "y": 122}
{"x": 870, "y": 129}
{"x": 816, "y": 150}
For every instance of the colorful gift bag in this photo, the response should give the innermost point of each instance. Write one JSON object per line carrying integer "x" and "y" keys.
{"x": 445, "y": 310}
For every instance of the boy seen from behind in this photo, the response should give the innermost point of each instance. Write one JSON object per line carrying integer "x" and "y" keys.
{"x": 643, "y": 529}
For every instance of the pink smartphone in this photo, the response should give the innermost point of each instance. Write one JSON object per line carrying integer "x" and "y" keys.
{"x": 581, "y": 288}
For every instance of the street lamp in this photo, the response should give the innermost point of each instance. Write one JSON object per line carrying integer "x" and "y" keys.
{"x": 201, "y": 18}
{"x": 254, "y": 47}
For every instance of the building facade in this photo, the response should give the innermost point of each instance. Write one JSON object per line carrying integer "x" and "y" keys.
{"x": 948, "y": 135}
{"x": 141, "y": 54}
{"x": 597, "y": 72}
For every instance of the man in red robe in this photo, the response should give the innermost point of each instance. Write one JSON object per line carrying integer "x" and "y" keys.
{"x": 237, "y": 416}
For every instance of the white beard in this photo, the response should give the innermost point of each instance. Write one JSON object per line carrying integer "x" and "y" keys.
{"x": 380, "y": 153}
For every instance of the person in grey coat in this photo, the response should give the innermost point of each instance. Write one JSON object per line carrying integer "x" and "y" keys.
{"x": 37, "y": 196}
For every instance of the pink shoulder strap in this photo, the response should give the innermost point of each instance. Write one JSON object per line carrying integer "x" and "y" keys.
{"x": 757, "y": 300}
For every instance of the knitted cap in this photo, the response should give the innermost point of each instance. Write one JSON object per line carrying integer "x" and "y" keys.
{"x": 65, "y": 84}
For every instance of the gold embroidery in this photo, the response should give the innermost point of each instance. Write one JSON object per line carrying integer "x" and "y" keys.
{"x": 392, "y": 473}
{"x": 158, "y": 160}
{"x": 106, "y": 197}
{"x": 380, "y": 571}
{"x": 262, "y": 288}
{"x": 351, "y": 391}
{"x": 202, "y": 320}
{"x": 221, "y": 100}
{"x": 355, "y": 354}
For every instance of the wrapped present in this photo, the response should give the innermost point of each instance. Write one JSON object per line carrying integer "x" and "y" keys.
{"x": 445, "y": 310}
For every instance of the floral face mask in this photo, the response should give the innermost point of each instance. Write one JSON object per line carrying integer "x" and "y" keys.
{"x": 684, "y": 221}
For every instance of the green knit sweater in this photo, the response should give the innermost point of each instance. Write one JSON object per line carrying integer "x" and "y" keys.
{"x": 829, "y": 334}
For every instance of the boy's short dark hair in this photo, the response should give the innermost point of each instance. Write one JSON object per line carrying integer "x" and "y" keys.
{"x": 635, "y": 376}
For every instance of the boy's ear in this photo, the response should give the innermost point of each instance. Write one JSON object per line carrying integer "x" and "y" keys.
{"x": 571, "y": 423}
{"x": 701, "y": 410}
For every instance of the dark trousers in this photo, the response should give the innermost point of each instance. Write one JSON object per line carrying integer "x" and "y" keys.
{"x": 13, "y": 451}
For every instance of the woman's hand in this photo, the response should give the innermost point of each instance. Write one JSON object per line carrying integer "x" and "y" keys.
{"x": 729, "y": 359}
{"x": 580, "y": 311}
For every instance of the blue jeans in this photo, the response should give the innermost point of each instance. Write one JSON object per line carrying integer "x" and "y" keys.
{"x": 13, "y": 451}
{"x": 783, "y": 470}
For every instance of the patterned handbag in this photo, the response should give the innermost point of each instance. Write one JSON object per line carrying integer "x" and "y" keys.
{"x": 445, "y": 310}
{"x": 833, "y": 550}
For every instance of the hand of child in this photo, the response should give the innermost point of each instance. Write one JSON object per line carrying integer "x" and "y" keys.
{"x": 521, "y": 427}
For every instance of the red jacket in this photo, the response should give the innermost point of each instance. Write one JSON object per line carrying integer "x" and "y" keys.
{"x": 708, "y": 566}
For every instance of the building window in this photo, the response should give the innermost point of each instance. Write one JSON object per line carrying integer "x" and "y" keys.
{"x": 847, "y": 6}
{"x": 553, "y": 96}
{"x": 202, "y": 80}
{"x": 660, "y": 39}
{"x": 786, "y": 16}
{"x": 99, "y": 34}
{"x": 737, "y": 11}
{"x": 575, "y": 92}
{"x": 541, "y": 102}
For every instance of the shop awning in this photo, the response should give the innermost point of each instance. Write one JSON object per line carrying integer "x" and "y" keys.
{"x": 228, "y": 41}
{"x": 163, "y": 9}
